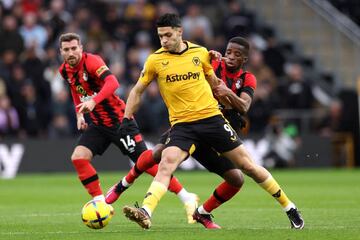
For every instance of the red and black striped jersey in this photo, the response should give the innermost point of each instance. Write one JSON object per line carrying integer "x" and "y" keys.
{"x": 85, "y": 81}
{"x": 238, "y": 82}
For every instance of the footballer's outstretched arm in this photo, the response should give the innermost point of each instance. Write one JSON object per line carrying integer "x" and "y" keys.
{"x": 134, "y": 99}
{"x": 240, "y": 104}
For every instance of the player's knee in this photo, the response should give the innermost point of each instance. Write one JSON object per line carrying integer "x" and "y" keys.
{"x": 81, "y": 152}
{"x": 234, "y": 177}
{"x": 166, "y": 167}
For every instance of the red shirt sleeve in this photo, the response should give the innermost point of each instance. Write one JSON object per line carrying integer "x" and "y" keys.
{"x": 111, "y": 84}
{"x": 97, "y": 67}
{"x": 250, "y": 81}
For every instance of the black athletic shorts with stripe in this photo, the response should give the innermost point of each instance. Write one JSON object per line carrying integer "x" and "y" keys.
{"x": 210, "y": 137}
{"x": 99, "y": 138}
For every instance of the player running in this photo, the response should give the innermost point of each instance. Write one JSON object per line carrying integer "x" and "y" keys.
{"x": 92, "y": 87}
{"x": 181, "y": 69}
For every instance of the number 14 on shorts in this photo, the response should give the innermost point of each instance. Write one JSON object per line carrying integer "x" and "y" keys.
{"x": 129, "y": 143}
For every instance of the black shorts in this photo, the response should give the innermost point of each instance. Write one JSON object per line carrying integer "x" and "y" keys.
{"x": 211, "y": 160}
{"x": 214, "y": 131}
{"x": 99, "y": 138}
{"x": 207, "y": 157}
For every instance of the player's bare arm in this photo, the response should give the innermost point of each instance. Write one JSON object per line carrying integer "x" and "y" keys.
{"x": 134, "y": 99}
{"x": 239, "y": 103}
{"x": 242, "y": 103}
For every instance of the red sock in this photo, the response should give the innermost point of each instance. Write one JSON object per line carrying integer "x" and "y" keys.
{"x": 88, "y": 176}
{"x": 144, "y": 162}
{"x": 222, "y": 193}
{"x": 174, "y": 186}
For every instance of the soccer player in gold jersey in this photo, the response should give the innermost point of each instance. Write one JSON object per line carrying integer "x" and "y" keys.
{"x": 186, "y": 80}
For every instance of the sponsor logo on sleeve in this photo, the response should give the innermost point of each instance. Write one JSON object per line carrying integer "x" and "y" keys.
{"x": 101, "y": 70}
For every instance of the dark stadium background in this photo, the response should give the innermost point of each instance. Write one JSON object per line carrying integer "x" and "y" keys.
{"x": 305, "y": 55}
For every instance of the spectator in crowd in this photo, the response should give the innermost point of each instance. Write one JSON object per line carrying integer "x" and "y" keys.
{"x": 264, "y": 74}
{"x": 197, "y": 26}
{"x": 35, "y": 35}
{"x": 35, "y": 118}
{"x": 56, "y": 18}
{"x": 273, "y": 56}
{"x": 332, "y": 121}
{"x": 63, "y": 122}
{"x": 34, "y": 70}
{"x": 15, "y": 83}
{"x": 10, "y": 37}
{"x": 238, "y": 21}
{"x": 296, "y": 92}
{"x": 9, "y": 118}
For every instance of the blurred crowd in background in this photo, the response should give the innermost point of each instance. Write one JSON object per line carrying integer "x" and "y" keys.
{"x": 35, "y": 101}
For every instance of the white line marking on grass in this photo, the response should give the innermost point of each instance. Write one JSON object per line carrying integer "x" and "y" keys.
{"x": 45, "y": 214}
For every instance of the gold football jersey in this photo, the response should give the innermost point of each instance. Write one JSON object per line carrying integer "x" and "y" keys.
{"x": 182, "y": 83}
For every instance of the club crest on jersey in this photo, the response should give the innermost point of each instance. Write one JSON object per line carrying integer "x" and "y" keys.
{"x": 85, "y": 76}
{"x": 238, "y": 83}
{"x": 165, "y": 63}
{"x": 196, "y": 61}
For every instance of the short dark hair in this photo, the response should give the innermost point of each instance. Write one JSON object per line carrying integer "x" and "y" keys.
{"x": 67, "y": 37}
{"x": 169, "y": 20}
{"x": 242, "y": 42}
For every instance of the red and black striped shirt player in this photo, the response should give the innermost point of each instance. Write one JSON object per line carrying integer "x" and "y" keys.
{"x": 92, "y": 87}
{"x": 86, "y": 80}
{"x": 240, "y": 82}
{"x": 92, "y": 79}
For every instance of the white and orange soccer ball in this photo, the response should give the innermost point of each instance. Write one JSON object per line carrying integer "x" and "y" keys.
{"x": 96, "y": 214}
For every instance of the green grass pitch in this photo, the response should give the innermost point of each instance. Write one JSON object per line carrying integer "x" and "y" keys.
{"x": 47, "y": 206}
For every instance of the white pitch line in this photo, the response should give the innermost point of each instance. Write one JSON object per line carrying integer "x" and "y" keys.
{"x": 45, "y": 214}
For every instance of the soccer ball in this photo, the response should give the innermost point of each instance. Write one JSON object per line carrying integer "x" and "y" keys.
{"x": 96, "y": 214}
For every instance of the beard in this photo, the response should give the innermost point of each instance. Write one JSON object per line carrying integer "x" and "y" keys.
{"x": 72, "y": 61}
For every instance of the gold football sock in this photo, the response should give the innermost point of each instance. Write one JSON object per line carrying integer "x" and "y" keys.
{"x": 153, "y": 196}
{"x": 272, "y": 187}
